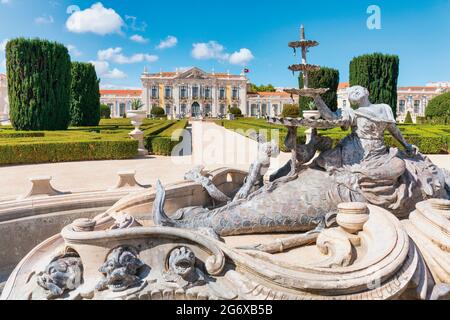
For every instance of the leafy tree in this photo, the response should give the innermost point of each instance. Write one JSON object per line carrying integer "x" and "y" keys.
{"x": 85, "y": 95}
{"x": 408, "y": 119}
{"x": 378, "y": 73}
{"x": 291, "y": 111}
{"x": 262, "y": 88}
{"x": 323, "y": 78}
{"x": 39, "y": 78}
{"x": 439, "y": 106}
{"x": 105, "y": 111}
{"x": 158, "y": 112}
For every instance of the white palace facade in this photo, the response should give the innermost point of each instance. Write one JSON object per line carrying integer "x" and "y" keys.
{"x": 194, "y": 92}
{"x": 4, "y": 105}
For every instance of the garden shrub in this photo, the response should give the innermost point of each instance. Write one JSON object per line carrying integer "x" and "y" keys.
{"x": 39, "y": 79}
{"x": 85, "y": 95}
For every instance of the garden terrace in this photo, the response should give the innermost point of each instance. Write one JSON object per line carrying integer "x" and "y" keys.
{"x": 107, "y": 141}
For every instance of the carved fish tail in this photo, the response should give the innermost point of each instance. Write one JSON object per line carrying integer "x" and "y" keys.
{"x": 160, "y": 217}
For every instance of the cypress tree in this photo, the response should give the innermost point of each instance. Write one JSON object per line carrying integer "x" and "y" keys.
{"x": 323, "y": 78}
{"x": 378, "y": 73}
{"x": 85, "y": 95}
{"x": 39, "y": 80}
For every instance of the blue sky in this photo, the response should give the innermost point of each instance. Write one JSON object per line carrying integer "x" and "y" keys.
{"x": 226, "y": 35}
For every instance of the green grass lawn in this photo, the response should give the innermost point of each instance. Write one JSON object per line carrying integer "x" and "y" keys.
{"x": 431, "y": 139}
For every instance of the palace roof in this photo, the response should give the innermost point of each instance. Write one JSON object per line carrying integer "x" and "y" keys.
{"x": 136, "y": 93}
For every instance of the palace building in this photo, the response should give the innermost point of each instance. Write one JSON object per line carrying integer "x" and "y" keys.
{"x": 272, "y": 104}
{"x": 194, "y": 93}
{"x": 119, "y": 101}
{"x": 4, "y": 104}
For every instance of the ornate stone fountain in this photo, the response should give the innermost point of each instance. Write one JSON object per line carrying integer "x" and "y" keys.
{"x": 361, "y": 221}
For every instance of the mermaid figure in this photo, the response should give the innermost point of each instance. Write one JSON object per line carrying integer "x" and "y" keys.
{"x": 361, "y": 168}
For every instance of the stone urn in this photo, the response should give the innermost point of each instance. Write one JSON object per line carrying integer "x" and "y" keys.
{"x": 312, "y": 114}
{"x": 137, "y": 118}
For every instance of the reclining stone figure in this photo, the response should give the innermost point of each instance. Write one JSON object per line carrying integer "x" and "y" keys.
{"x": 360, "y": 169}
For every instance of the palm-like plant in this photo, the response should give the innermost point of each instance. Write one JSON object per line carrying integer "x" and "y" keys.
{"x": 137, "y": 105}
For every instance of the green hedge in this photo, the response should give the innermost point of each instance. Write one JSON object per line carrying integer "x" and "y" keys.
{"x": 17, "y": 135}
{"x": 32, "y": 153}
{"x": 162, "y": 143}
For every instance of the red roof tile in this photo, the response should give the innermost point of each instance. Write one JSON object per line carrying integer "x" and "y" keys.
{"x": 121, "y": 92}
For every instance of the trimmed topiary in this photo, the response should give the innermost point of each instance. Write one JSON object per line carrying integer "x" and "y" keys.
{"x": 85, "y": 95}
{"x": 378, "y": 73}
{"x": 158, "y": 112}
{"x": 39, "y": 78}
{"x": 408, "y": 119}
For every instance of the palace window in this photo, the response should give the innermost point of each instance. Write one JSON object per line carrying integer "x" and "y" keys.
{"x": 155, "y": 93}
{"x": 222, "y": 109}
{"x": 168, "y": 110}
{"x": 195, "y": 92}
{"x": 183, "y": 109}
{"x": 264, "y": 109}
{"x": 402, "y": 106}
{"x": 222, "y": 93}
{"x": 235, "y": 93}
{"x": 207, "y": 93}
{"x": 122, "y": 110}
{"x": 183, "y": 92}
{"x": 275, "y": 110}
{"x": 207, "y": 109}
{"x": 417, "y": 106}
{"x": 168, "y": 93}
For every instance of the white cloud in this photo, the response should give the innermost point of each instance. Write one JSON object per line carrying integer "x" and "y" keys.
{"x": 210, "y": 50}
{"x": 169, "y": 42}
{"x": 112, "y": 86}
{"x": 74, "y": 51}
{"x": 116, "y": 55}
{"x": 139, "y": 39}
{"x": 44, "y": 20}
{"x": 105, "y": 72}
{"x": 5, "y": 1}
{"x": 214, "y": 50}
{"x": 96, "y": 19}
{"x": 134, "y": 25}
{"x": 242, "y": 57}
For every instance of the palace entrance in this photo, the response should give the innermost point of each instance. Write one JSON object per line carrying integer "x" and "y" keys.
{"x": 196, "y": 110}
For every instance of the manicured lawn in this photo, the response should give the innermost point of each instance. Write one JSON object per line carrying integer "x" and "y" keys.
{"x": 431, "y": 139}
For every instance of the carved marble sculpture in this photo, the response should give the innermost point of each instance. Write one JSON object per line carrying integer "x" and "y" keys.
{"x": 121, "y": 270}
{"x": 62, "y": 275}
{"x": 360, "y": 169}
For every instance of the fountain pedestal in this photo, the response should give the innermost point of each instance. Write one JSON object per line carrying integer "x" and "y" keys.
{"x": 137, "y": 117}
